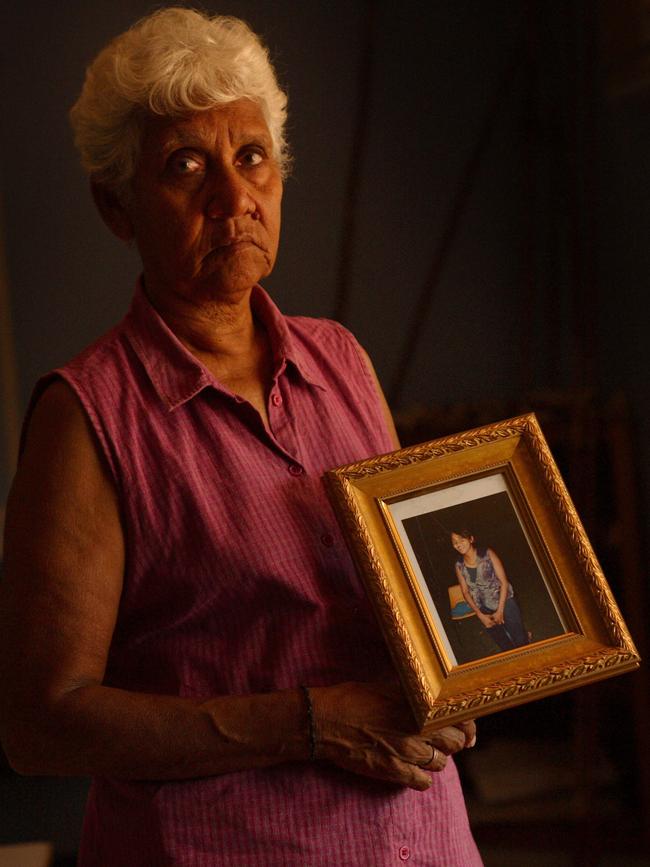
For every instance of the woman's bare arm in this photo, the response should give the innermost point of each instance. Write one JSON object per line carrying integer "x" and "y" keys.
{"x": 390, "y": 422}
{"x": 59, "y": 599}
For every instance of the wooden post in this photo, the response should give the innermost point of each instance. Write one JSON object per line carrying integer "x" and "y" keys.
{"x": 9, "y": 414}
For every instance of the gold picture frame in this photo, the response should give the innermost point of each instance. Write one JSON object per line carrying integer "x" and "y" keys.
{"x": 398, "y": 512}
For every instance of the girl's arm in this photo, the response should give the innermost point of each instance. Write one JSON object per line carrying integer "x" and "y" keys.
{"x": 500, "y": 572}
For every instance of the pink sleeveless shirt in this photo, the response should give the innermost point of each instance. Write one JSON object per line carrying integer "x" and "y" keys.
{"x": 238, "y": 581}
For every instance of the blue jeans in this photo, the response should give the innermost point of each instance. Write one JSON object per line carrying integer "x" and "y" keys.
{"x": 511, "y": 632}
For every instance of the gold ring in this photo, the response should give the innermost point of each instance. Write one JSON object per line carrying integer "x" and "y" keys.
{"x": 432, "y": 759}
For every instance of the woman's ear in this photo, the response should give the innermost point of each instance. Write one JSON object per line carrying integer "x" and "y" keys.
{"x": 112, "y": 211}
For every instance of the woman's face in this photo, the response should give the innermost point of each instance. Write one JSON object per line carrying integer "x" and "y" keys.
{"x": 462, "y": 544}
{"x": 205, "y": 206}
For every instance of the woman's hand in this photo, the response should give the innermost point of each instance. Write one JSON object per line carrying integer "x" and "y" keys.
{"x": 368, "y": 730}
{"x": 486, "y": 619}
{"x": 497, "y": 616}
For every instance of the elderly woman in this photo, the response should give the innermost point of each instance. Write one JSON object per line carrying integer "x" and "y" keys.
{"x": 181, "y": 617}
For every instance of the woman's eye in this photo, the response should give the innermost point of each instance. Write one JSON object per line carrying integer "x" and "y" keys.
{"x": 184, "y": 164}
{"x": 251, "y": 158}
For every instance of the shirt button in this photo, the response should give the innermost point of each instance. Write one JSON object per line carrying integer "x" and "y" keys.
{"x": 295, "y": 470}
{"x": 276, "y": 399}
{"x": 327, "y": 539}
{"x": 404, "y": 853}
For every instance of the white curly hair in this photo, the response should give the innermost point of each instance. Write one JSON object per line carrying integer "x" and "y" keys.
{"x": 172, "y": 62}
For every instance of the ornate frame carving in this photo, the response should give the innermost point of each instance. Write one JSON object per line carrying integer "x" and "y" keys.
{"x": 593, "y": 642}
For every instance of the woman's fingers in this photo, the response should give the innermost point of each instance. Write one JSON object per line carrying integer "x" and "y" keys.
{"x": 407, "y": 774}
{"x": 365, "y": 730}
{"x": 404, "y": 762}
{"x": 437, "y": 762}
{"x": 449, "y": 740}
{"x": 407, "y": 761}
{"x": 369, "y": 731}
{"x": 468, "y": 728}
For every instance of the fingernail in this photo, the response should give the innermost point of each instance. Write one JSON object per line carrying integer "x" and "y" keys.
{"x": 472, "y": 742}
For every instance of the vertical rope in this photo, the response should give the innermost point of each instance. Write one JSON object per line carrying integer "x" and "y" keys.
{"x": 360, "y": 136}
{"x": 8, "y": 375}
{"x": 450, "y": 231}
{"x": 584, "y": 295}
{"x": 529, "y": 275}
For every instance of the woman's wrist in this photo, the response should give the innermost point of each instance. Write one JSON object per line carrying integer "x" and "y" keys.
{"x": 311, "y": 727}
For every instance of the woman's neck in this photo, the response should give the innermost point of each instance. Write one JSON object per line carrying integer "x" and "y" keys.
{"x": 227, "y": 339}
{"x": 219, "y": 332}
{"x": 471, "y": 558}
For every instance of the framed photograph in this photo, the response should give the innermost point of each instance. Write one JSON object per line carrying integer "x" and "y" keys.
{"x": 484, "y": 582}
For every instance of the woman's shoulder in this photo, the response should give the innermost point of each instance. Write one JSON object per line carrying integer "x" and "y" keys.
{"x": 328, "y": 343}
{"x": 325, "y": 331}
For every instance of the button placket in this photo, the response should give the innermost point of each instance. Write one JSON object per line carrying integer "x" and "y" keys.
{"x": 281, "y": 420}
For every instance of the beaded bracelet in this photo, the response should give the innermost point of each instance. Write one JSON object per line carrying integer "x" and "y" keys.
{"x": 310, "y": 720}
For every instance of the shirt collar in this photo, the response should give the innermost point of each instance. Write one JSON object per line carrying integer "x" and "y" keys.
{"x": 177, "y": 375}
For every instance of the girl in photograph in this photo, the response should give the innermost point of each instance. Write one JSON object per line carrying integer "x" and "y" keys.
{"x": 487, "y": 591}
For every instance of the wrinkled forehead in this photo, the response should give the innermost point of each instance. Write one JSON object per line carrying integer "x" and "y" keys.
{"x": 232, "y": 124}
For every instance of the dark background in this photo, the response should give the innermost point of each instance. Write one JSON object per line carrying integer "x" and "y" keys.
{"x": 470, "y": 196}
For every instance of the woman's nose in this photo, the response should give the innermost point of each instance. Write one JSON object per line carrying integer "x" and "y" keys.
{"x": 229, "y": 196}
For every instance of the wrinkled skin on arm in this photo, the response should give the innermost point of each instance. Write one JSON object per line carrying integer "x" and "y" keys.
{"x": 59, "y": 600}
